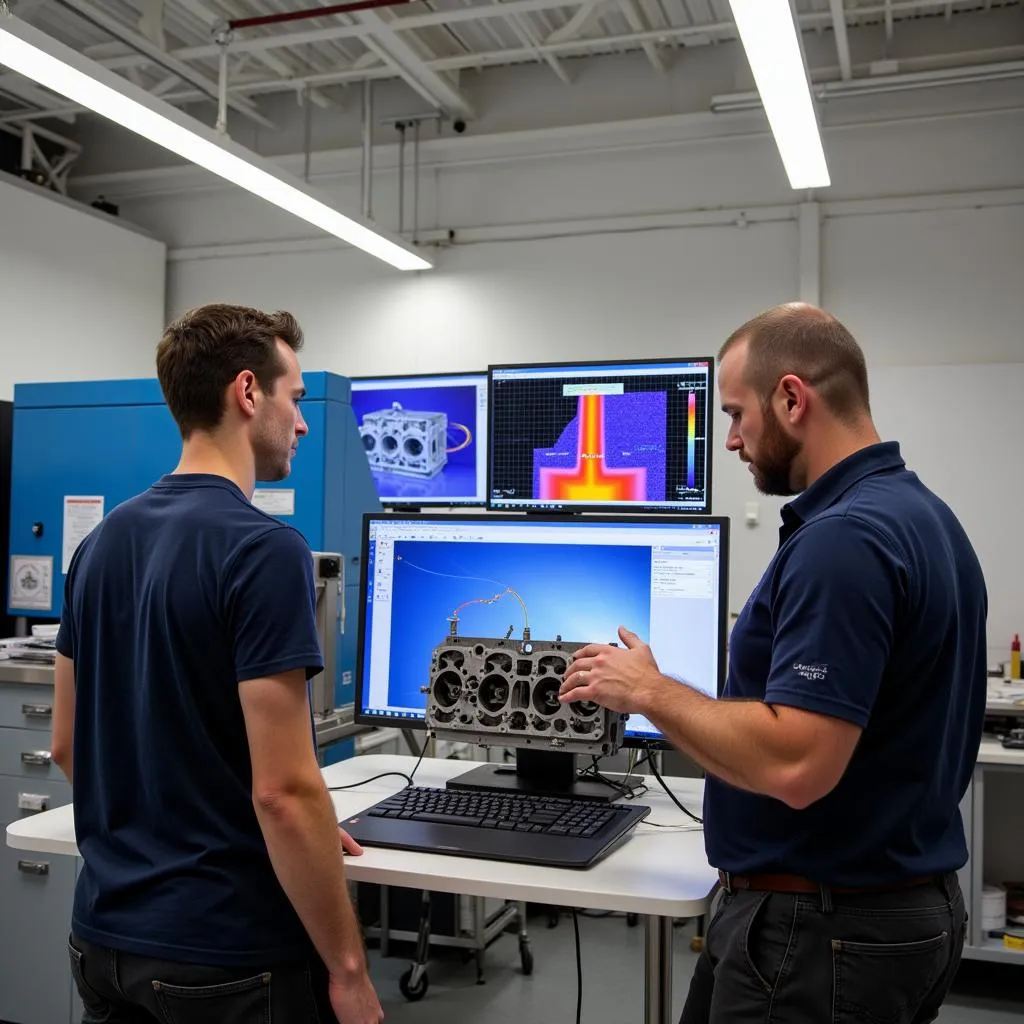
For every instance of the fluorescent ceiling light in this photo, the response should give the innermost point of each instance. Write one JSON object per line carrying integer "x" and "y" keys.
{"x": 58, "y": 68}
{"x": 769, "y": 36}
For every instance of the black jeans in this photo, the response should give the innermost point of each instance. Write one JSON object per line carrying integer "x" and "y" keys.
{"x": 122, "y": 988}
{"x": 778, "y": 958}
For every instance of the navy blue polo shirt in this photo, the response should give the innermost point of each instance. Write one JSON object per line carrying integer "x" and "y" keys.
{"x": 176, "y": 598}
{"x": 872, "y": 611}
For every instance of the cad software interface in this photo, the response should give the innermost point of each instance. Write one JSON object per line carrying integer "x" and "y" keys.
{"x": 632, "y": 436}
{"x": 575, "y": 579}
{"x": 425, "y": 437}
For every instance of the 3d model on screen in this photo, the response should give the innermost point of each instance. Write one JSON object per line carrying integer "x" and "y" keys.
{"x": 409, "y": 442}
{"x": 482, "y": 688}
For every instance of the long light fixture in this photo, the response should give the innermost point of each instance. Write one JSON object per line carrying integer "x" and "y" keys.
{"x": 57, "y": 67}
{"x": 769, "y": 36}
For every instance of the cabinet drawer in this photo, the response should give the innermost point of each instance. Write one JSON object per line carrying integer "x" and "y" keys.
{"x": 26, "y": 707}
{"x": 36, "y": 893}
{"x": 55, "y": 794}
{"x": 26, "y": 752}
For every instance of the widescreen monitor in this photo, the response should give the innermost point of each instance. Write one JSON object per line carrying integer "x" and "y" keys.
{"x": 425, "y": 437}
{"x": 575, "y": 578}
{"x": 628, "y": 436}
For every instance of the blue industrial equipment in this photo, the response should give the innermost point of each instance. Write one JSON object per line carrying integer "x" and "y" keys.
{"x": 112, "y": 439}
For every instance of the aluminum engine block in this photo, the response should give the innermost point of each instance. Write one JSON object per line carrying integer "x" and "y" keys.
{"x": 403, "y": 441}
{"x": 505, "y": 692}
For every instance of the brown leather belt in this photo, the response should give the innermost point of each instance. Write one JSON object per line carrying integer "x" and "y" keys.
{"x": 799, "y": 884}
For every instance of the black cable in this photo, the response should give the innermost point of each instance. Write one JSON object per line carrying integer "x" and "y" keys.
{"x": 671, "y": 795}
{"x": 579, "y": 966}
{"x": 423, "y": 750}
{"x": 383, "y": 775}
{"x": 365, "y": 782}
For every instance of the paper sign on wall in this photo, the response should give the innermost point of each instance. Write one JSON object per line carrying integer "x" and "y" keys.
{"x": 31, "y": 582}
{"x": 275, "y": 501}
{"x": 82, "y": 513}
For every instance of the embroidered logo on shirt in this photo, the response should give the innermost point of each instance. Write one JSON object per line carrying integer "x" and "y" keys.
{"x": 814, "y": 672}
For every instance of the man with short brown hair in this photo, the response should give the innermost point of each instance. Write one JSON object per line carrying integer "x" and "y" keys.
{"x": 212, "y": 887}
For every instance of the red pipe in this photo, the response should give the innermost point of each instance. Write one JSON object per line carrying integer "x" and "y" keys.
{"x": 315, "y": 12}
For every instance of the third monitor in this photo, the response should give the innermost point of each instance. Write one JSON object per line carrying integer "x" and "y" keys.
{"x": 626, "y": 436}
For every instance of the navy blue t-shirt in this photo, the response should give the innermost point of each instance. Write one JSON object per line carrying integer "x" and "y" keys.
{"x": 873, "y": 611}
{"x": 179, "y": 595}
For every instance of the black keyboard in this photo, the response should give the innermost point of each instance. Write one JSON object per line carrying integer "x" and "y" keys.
{"x": 497, "y": 825}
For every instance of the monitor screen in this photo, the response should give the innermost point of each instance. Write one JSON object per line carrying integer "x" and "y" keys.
{"x": 424, "y": 437}
{"x": 575, "y": 579}
{"x": 626, "y": 436}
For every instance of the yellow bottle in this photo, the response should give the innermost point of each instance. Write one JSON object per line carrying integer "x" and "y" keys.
{"x": 1015, "y": 657}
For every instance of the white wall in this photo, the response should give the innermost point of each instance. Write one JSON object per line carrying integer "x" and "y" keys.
{"x": 82, "y": 295}
{"x": 660, "y": 238}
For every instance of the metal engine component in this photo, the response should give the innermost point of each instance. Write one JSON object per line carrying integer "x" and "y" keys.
{"x": 402, "y": 441}
{"x": 493, "y": 691}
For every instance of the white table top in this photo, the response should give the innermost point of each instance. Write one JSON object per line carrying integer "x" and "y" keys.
{"x": 993, "y": 752}
{"x": 661, "y": 871}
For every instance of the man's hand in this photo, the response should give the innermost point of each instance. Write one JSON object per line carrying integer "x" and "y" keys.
{"x": 348, "y": 844}
{"x": 354, "y": 1000}
{"x": 612, "y": 677}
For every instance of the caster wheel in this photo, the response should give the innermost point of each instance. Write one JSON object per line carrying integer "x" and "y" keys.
{"x": 413, "y": 993}
{"x": 632, "y": 920}
{"x": 526, "y": 958}
{"x": 697, "y": 943}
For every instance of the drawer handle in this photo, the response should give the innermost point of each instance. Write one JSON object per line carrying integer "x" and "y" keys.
{"x": 34, "y": 867}
{"x": 42, "y": 758}
{"x": 37, "y": 710}
{"x": 33, "y": 801}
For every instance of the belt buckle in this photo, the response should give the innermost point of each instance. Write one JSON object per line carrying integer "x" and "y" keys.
{"x": 725, "y": 877}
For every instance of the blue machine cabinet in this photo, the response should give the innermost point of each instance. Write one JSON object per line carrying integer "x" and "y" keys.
{"x": 112, "y": 439}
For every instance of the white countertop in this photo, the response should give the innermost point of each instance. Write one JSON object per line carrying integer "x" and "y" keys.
{"x": 993, "y": 752}
{"x": 661, "y": 871}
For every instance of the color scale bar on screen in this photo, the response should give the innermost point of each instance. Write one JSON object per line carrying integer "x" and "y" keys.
{"x": 691, "y": 440}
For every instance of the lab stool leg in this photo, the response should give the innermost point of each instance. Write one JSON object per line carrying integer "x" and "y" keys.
{"x": 525, "y": 953}
{"x": 415, "y": 981}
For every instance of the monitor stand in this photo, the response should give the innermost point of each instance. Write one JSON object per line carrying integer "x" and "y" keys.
{"x": 538, "y": 773}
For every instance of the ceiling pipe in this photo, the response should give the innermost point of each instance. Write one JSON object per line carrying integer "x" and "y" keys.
{"x": 314, "y": 12}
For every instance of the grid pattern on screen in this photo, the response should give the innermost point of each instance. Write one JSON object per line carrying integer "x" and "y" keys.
{"x": 531, "y": 413}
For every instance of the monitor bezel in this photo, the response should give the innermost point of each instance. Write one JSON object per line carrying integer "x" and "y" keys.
{"x": 397, "y": 722}
{"x": 609, "y": 508}
{"x": 400, "y": 504}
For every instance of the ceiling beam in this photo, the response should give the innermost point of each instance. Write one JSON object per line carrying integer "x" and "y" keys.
{"x": 526, "y": 35}
{"x": 139, "y": 42}
{"x": 413, "y": 68}
{"x": 842, "y": 39}
{"x": 715, "y": 30}
{"x": 636, "y": 23}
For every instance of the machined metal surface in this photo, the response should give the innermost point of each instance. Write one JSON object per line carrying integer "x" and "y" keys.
{"x": 484, "y": 689}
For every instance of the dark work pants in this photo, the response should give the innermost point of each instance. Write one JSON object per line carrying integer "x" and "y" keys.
{"x": 778, "y": 958}
{"x": 122, "y": 988}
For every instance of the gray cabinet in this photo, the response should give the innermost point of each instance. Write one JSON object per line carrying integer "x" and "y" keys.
{"x": 36, "y": 890}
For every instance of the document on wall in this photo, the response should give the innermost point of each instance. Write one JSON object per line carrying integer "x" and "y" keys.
{"x": 82, "y": 513}
{"x": 31, "y": 583}
{"x": 275, "y": 501}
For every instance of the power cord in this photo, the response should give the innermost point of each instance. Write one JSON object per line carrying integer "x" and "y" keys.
{"x": 654, "y": 768}
{"x": 383, "y": 775}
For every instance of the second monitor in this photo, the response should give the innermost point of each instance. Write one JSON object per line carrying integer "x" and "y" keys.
{"x": 626, "y": 436}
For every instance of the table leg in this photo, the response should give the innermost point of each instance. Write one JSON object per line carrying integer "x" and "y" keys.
{"x": 658, "y": 970}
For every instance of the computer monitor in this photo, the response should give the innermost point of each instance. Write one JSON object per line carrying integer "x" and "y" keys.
{"x": 629, "y": 436}
{"x": 576, "y": 579}
{"x": 424, "y": 436}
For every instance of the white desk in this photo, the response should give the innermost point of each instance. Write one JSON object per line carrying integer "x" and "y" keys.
{"x": 661, "y": 873}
